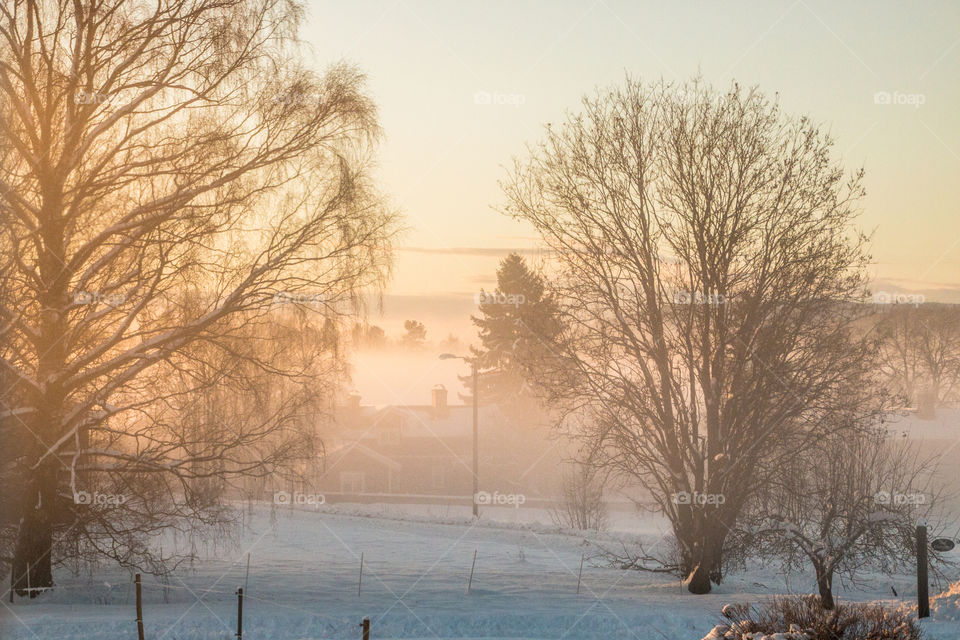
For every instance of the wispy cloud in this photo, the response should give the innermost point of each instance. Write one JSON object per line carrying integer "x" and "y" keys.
{"x": 477, "y": 251}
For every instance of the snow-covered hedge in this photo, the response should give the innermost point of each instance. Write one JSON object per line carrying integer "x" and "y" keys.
{"x": 802, "y": 618}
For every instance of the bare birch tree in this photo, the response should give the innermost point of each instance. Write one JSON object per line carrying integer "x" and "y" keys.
{"x": 705, "y": 252}
{"x": 167, "y": 170}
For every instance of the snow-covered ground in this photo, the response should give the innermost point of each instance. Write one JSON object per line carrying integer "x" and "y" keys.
{"x": 304, "y": 571}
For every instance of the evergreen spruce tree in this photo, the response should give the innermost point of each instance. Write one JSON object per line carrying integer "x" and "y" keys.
{"x": 517, "y": 322}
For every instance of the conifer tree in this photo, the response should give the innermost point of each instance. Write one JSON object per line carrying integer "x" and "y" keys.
{"x": 517, "y": 323}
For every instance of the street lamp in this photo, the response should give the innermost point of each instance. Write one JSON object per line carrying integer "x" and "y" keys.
{"x": 476, "y": 464}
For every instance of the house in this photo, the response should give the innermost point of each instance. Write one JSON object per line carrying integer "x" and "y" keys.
{"x": 426, "y": 451}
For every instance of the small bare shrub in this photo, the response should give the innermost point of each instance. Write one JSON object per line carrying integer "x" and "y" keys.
{"x": 803, "y": 618}
{"x": 583, "y": 506}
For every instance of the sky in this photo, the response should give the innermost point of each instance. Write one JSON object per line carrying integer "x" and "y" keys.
{"x": 463, "y": 87}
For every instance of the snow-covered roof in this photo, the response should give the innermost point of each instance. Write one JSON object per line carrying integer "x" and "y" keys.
{"x": 415, "y": 421}
{"x": 426, "y": 421}
{"x": 357, "y": 448}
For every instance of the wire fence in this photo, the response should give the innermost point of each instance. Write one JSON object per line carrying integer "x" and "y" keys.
{"x": 165, "y": 590}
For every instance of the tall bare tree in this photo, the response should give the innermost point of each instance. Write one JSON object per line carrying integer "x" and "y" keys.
{"x": 705, "y": 252}
{"x": 167, "y": 170}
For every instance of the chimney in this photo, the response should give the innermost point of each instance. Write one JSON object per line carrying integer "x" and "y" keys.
{"x": 438, "y": 397}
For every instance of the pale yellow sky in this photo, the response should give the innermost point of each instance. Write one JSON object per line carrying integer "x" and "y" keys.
{"x": 444, "y": 151}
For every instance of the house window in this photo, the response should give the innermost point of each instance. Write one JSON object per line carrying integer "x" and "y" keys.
{"x": 351, "y": 482}
{"x": 390, "y": 435}
{"x": 439, "y": 478}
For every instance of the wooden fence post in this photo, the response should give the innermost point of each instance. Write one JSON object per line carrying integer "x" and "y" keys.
{"x": 139, "y": 607}
{"x": 239, "y": 612}
{"x": 923, "y": 581}
{"x": 472, "y": 566}
{"x": 246, "y": 577}
{"x": 360, "y": 582}
{"x": 366, "y": 628}
{"x": 579, "y": 574}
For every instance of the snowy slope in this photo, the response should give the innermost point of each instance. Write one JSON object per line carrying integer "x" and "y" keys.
{"x": 304, "y": 574}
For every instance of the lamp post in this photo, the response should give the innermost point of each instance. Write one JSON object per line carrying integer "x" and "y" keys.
{"x": 476, "y": 459}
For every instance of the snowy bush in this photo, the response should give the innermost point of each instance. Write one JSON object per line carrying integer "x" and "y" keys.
{"x": 802, "y": 618}
{"x": 946, "y": 606}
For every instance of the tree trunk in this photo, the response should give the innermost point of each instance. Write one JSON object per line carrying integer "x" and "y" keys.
{"x": 33, "y": 551}
{"x": 825, "y": 586}
{"x": 32, "y": 563}
{"x": 698, "y": 581}
{"x": 704, "y": 563}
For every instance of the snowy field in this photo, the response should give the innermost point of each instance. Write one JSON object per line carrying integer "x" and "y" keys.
{"x": 304, "y": 571}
